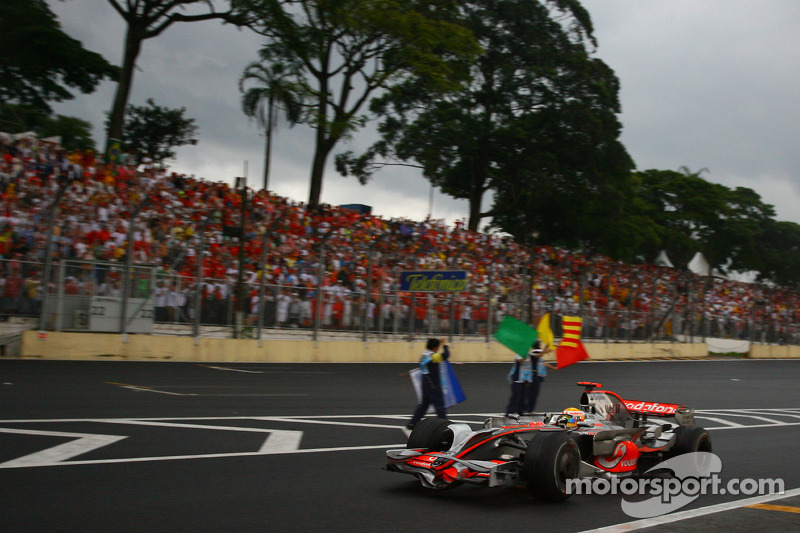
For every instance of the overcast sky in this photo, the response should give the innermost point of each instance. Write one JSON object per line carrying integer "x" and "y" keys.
{"x": 709, "y": 84}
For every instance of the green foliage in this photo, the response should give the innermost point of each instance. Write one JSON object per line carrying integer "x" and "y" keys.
{"x": 75, "y": 133}
{"x": 733, "y": 228}
{"x": 17, "y": 118}
{"x": 40, "y": 63}
{"x": 338, "y": 55}
{"x": 667, "y": 194}
{"x": 534, "y": 123}
{"x": 779, "y": 247}
{"x": 266, "y": 90}
{"x": 154, "y": 131}
{"x": 264, "y": 86}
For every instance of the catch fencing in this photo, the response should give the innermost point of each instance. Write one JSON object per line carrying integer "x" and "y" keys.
{"x": 115, "y": 297}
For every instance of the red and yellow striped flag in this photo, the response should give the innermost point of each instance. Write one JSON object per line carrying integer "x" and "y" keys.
{"x": 571, "y": 349}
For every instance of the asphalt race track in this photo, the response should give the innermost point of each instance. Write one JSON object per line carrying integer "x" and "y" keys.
{"x": 129, "y": 446}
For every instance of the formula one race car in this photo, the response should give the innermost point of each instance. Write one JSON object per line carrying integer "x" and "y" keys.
{"x": 606, "y": 437}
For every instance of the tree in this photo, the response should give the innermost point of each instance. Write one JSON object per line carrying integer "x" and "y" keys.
{"x": 146, "y": 19}
{"x": 741, "y": 233}
{"x": 154, "y": 131}
{"x": 779, "y": 246}
{"x": 682, "y": 205}
{"x": 40, "y": 63}
{"x": 340, "y": 54}
{"x": 269, "y": 91}
{"x": 694, "y": 215}
{"x": 532, "y": 95}
{"x": 75, "y": 133}
{"x": 22, "y": 118}
{"x": 573, "y": 175}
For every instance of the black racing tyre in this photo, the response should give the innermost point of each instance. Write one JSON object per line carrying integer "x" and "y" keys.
{"x": 689, "y": 439}
{"x": 431, "y": 433}
{"x": 551, "y": 459}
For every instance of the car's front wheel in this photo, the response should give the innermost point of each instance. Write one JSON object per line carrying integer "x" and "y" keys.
{"x": 551, "y": 460}
{"x": 432, "y": 434}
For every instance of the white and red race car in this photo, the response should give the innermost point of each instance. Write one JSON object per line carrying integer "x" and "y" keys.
{"x": 607, "y": 436}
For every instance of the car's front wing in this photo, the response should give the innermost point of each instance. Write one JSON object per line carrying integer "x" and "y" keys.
{"x": 437, "y": 470}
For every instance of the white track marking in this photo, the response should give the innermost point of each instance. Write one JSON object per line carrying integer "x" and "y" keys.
{"x": 767, "y": 412}
{"x": 137, "y": 422}
{"x": 693, "y": 513}
{"x": 148, "y": 389}
{"x": 281, "y": 370}
{"x": 295, "y": 372}
{"x": 323, "y": 422}
{"x": 83, "y": 443}
{"x": 755, "y": 417}
{"x": 764, "y": 409}
{"x": 758, "y": 426}
{"x": 281, "y": 441}
{"x": 277, "y": 441}
{"x": 143, "y": 388}
{"x": 271, "y": 395}
{"x": 726, "y": 423}
{"x": 233, "y": 369}
{"x": 305, "y": 418}
{"x": 220, "y": 455}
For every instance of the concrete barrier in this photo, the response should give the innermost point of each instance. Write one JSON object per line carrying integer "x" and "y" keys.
{"x": 106, "y": 346}
{"x": 772, "y": 351}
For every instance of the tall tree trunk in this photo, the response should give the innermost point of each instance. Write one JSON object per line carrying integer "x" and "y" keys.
{"x": 133, "y": 44}
{"x": 268, "y": 147}
{"x": 475, "y": 199}
{"x": 477, "y": 180}
{"x": 318, "y": 168}
{"x": 323, "y": 144}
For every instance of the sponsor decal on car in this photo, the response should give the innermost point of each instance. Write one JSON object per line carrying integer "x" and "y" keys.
{"x": 653, "y": 408}
{"x": 624, "y": 458}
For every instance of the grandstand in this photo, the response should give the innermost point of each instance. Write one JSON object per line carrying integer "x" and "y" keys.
{"x": 285, "y": 268}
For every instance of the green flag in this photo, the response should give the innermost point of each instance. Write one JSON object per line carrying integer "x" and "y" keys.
{"x": 515, "y": 335}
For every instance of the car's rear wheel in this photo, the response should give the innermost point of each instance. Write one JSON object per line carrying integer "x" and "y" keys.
{"x": 432, "y": 434}
{"x": 551, "y": 460}
{"x": 691, "y": 439}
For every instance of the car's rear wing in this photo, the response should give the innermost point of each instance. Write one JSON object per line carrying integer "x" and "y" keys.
{"x": 683, "y": 415}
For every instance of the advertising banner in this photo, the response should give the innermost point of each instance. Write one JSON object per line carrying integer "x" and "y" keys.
{"x": 433, "y": 280}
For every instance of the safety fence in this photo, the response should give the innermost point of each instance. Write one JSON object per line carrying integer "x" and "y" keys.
{"x": 115, "y": 297}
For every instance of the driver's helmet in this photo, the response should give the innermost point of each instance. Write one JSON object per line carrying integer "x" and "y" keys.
{"x": 570, "y": 417}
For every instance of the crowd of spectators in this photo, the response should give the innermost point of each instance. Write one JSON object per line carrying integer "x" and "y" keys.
{"x": 183, "y": 216}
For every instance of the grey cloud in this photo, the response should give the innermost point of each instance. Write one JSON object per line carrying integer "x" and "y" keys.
{"x": 707, "y": 84}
